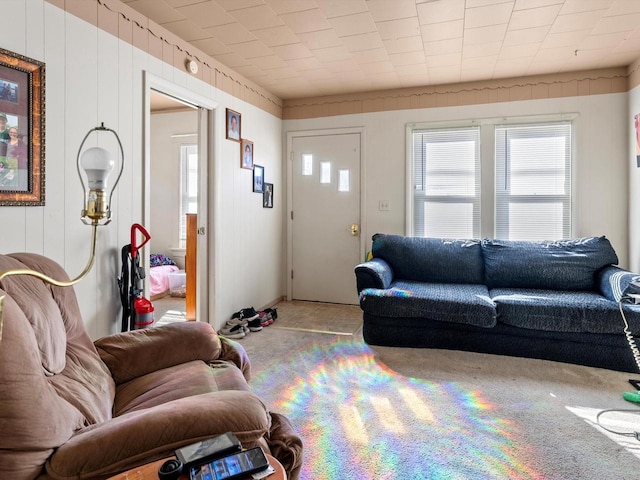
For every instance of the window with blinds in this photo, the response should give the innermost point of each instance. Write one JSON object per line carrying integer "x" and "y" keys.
{"x": 446, "y": 183}
{"x": 533, "y": 181}
{"x": 188, "y": 187}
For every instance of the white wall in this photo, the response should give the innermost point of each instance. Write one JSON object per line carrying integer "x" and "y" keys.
{"x": 600, "y": 160}
{"x": 93, "y": 77}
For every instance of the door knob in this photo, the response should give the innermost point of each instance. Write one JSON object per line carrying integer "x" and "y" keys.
{"x": 354, "y": 229}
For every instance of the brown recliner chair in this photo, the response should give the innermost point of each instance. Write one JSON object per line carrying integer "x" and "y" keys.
{"x": 72, "y": 408}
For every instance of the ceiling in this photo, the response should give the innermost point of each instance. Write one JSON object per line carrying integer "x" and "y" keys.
{"x": 306, "y": 48}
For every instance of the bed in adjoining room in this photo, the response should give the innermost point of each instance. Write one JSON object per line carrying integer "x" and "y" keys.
{"x": 160, "y": 268}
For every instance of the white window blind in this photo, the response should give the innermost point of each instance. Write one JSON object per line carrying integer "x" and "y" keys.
{"x": 446, "y": 178}
{"x": 533, "y": 181}
{"x": 188, "y": 187}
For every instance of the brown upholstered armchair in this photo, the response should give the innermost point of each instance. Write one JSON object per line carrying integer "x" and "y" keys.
{"x": 72, "y": 408}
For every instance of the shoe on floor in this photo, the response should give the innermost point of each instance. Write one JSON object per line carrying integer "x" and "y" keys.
{"x": 255, "y": 324}
{"x": 273, "y": 312}
{"x": 245, "y": 314}
{"x": 265, "y": 319}
{"x": 234, "y": 331}
{"x": 237, "y": 321}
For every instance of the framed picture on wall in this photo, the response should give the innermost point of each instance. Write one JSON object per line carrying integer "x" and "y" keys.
{"x": 233, "y": 125}
{"x": 246, "y": 154}
{"x": 21, "y": 130}
{"x": 267, "y": 195}
{"x": 258, "y": 179}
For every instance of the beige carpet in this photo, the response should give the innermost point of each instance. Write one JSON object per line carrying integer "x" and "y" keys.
{"x": 390, "y": 413}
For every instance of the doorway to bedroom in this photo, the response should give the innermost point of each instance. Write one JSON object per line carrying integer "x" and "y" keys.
{"x": 178, "y": 151}
{"x": 174, "y": 196}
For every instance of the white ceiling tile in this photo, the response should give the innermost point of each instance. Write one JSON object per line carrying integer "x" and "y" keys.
{"x": 257, "y": 17}
{"x": 275, "y": 36}
{"x": 554, "y": 54}
{"x": 338, "y": 8}
{"x": 231, "y": 33}
{"x": 489, "y": 15}
{"x": 383, "y": 10}
{"x": 450, "y": 59}
{"x": 342, "y": 66}
{"x": 306, "y": 21}
{"x": 230, "y": 5}
{"x": 565, "y": 39}
{"x": 494, "y": 33}
{"x": 377, "y": 67}
{"x": 232, "y": 60}
{"x": 374, "y": 55}
{"x": 332, "y": 54}
{"x": 479, "y": 63}
{"x": 211, "y": 46}
{"x": 353, "y": 24}
{"x": 321, "y": 39}
{"x": 410, "y": 58}
{"x": 624, "y": 7}
{"x": 536, "y": 17}
{"x": 545, "y": 66}
{"x": 394, "y": 29}
{"x": 576, "y": 21}
{"x": 186, "y": 30}
{"x": 443, "y": 47}
{"x": 444, "y": 74}
{"x": 271, "y": 61}
{"x": 484, "y": 3}
{"x": 401, "y": 45}
{"x": 576, "y": 6}
{"x": 365, "y": 41}
{"x": 481, "y": 49}
{"x": 442, "y": 31}
{"x": 609, "y": 41}
{"x": 529, "y": 35}
{"x": 440, "y": 11}
{"x": 252, "y": 49}
{"x": 619, "y": 23}
{"x": 303, "y": 64}
{"x": 291, "y": 52}
{"x": 528, "y": 4}
{"x": 207, "y": 14}
{"x": 517, "y": 52}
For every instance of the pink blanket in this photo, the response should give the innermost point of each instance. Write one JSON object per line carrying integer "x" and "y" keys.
{"x": 159, "y": 279}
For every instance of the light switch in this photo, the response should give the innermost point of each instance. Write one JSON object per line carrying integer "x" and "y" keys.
{"x": 383, "y": 206}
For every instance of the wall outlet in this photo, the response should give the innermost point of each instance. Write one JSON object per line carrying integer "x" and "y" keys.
{"x": 383, "y": 205}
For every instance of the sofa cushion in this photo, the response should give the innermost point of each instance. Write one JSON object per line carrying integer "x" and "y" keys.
{"x": 185, "y": 380}
{"x": 561, "y": 311}
{"x": 469, "y": 304}
{"x": 553, "y": 265}
{"x": 436, "y": 260}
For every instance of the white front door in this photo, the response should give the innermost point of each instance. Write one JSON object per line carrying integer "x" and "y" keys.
{"x": 325, "y": 225}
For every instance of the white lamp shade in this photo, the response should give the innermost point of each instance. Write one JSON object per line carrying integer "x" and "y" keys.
{"x": 97, "y": 163}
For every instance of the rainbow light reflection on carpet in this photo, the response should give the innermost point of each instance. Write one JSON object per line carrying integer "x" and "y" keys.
{"x": 348, "y": 390}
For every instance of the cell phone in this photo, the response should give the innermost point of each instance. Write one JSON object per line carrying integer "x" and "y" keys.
{"x": 236, "y": 466}
{"x": 209, "y": 449}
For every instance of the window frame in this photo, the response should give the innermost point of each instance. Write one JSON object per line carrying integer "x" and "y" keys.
{"x": 487, "y": 164}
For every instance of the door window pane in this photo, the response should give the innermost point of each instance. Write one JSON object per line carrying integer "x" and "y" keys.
{"x": 307, "y": 164}
{"x": 325, "y": 172}
{"x": 343, "y": 180}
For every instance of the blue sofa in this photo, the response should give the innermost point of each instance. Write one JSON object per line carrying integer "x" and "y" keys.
{"x": 549, "y": 300}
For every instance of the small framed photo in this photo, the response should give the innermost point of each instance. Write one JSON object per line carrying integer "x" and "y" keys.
{"x": 267, "y": 196}
{"x": 246, "y": 154}
{"x": 258, "y": 179}
{"x": 233, "y": 125}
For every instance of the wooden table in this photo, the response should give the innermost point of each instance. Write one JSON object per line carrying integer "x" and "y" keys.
{"x": 150, "y": 471}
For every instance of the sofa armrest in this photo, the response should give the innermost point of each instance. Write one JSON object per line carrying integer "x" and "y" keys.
{"x": 612, "y": 281}
{"x": 235, "y": 353}
{"x": 376, "y": 273}
{"x": 136, "y": 438}
{"x": 132, "y": 354}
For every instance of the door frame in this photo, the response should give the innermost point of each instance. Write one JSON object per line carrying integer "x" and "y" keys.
{"x": 206, "y": 109}
{"x": 290, "y": 207}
